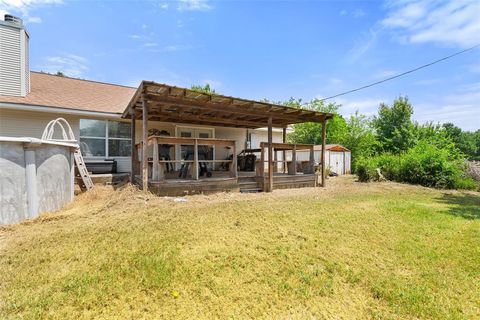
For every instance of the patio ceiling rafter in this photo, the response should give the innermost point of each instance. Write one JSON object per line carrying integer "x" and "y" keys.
{"x": 169, "y": 103}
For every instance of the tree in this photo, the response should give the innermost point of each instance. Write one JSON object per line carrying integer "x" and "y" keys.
{"x": 394, "y": 127}
{"x": 465, "y": 141}
{"x": 360, "y": 137}
{"x": 311, "y": 132}
{"x": 205, "y": 88}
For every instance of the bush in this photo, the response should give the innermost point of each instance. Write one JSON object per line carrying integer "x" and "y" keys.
{"x": 425, "y": 164}
{"x": 366, "y": 169}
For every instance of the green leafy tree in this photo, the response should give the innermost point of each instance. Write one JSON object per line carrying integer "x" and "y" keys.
{"x": 394, "y": 126}
{"x": 311, "y": 132}
{"x": 477, "y": 143}
{"x": 360, "y": 138}
{"x": 205, "y": 88}
{"x": 465, "y": 141}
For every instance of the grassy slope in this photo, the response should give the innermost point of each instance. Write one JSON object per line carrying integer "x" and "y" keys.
{"x": 354, "y": 250}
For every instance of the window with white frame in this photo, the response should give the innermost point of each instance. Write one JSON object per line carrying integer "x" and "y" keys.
{"x": 105, "y": 138}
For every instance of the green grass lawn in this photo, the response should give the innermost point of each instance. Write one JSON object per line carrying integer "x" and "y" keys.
{"x": 350, "y": 251}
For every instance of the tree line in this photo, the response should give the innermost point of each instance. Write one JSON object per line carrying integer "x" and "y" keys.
{"x": 390, "y": 144}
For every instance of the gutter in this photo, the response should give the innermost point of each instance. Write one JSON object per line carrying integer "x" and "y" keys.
{"x": 39, "y": 108}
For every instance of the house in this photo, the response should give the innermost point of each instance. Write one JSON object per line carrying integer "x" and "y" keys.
{"x": 101, "y": 114}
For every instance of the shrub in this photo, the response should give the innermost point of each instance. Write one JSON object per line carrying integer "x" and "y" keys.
{"x": 425, "y": 164}
{"x": 366, "y": 169}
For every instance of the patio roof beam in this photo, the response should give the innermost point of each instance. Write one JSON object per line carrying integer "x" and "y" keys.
{"x": 217, "y": 120}
{"x": 254, "y": 111}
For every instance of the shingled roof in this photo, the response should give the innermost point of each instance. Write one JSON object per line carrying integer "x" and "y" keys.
{"x": 69, "y": 93}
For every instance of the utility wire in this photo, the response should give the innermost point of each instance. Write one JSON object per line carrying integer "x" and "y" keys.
{"x": 401, "y": 74}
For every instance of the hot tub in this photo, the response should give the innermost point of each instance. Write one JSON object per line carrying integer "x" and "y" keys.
{"x": 35, "y": 176}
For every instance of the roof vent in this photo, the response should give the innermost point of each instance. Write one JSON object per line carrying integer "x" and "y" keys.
{"x": 13, "y": 19}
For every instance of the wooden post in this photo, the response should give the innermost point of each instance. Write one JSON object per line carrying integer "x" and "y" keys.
{"x": 324, "y": 130}
{"x": 156, "y": 159}
{"x": 270, "y": 156}
{"x": 311, "y": 160}
{"x": 275, "y": 160}
{"x": 195, "y": 161}
{"x": 233, "y": 165}
{"x": 134, "y": 154}
{"x": 293, "y": 164}
{"x": 262, "y": 161}
{"x": 284, "y": 153}
{"x": 144, "y": 144}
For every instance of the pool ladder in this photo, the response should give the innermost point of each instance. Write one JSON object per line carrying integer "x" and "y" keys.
{"x": 81, "y": 173}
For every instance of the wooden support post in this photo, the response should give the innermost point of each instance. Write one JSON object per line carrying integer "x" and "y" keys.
{"x": 262, "y": 162}
{"x": 293, "y": 165}
{"x": 275, "y": 160}
{"x": 284, "y": 153}
{"x": 195, "y": 161}
{"x": 156, "y": 159}
{"x": 144, "y": 144}
{"x": 134, "y": 155}
{"x": 270, "y": 156}
{"x": 324, "y": 131}
{"x": 233, "y": 165}
{"x": 311, "y": 161}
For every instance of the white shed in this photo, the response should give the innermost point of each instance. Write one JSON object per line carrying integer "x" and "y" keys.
{"x": 337, "y": 157}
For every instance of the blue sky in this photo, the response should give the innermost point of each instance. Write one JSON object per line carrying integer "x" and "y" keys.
{"x": 270, "y": 49}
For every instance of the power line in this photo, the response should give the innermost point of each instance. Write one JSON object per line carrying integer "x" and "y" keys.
{"x": 401, "y": 74}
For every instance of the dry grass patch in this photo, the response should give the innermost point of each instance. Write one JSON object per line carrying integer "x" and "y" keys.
{"x": 381, "y": 251}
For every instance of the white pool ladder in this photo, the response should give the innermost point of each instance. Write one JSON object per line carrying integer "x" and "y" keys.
{"x": 81, "y": 173}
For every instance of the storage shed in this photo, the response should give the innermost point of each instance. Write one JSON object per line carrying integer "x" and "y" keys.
{"x": 337, "y": 158}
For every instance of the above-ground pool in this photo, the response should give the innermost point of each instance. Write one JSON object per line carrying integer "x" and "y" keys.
{"x": 36, "y": 175}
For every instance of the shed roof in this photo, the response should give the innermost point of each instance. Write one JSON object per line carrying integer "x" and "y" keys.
{"x": 331, "y": 147}
{"x": 175, "y": 104}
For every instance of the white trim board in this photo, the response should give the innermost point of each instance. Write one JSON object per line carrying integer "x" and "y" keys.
{"x": 29, "y": 107}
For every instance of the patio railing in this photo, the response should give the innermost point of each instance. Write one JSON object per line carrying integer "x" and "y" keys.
{"x": 159, "y": 165}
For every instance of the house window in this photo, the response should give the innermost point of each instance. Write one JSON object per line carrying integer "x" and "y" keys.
{"x": 104, "y": 138}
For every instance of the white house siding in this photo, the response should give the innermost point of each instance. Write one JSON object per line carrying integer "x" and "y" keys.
{"x": 14, "y": 72}
{"x": 18, "y": 123}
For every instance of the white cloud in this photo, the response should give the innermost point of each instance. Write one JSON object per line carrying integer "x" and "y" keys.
{"x": 358, "y": 13}
{"x": 194, "y": 5}
{"x": 23, "y": 7}
{"x": 447, "y": 22}
{"x": 460, "y": 108}
{"x": 34, "y": 20}
{"x": 426, "y": 82}
{"x": 474, "y": 68}
{"x": 166, "y": 49}
{"x": 70, "y": 64}
{"x": 368, "y": 106}
{"x": 382, "y": 74}
{"x": 150, "y": 44}
{"x": 163, "y": 5}
{"x": 364, "y": 44}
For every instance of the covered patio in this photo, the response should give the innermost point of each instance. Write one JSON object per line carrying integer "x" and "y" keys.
{"x": 164, "y": 103}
